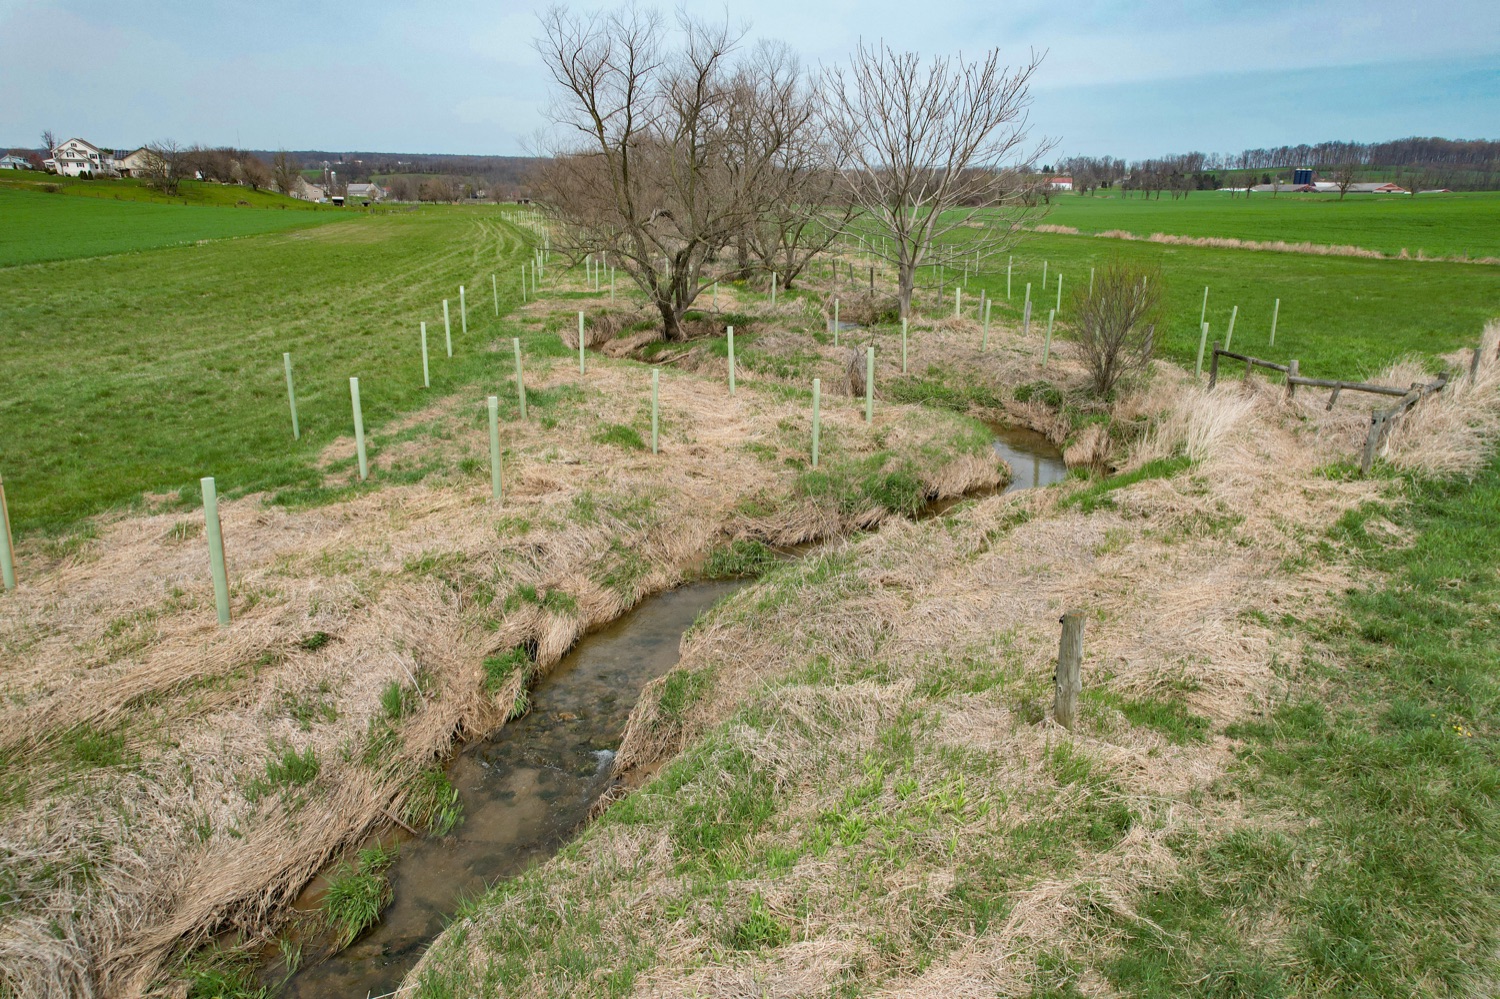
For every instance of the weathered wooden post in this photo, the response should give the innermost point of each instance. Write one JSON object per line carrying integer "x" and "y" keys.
{"x": 7, "y": 544}
{"x": 1202, "y": 343}
{"x": 1291, "y": 376}
{"x": 1474, "y": 363}
{"x": 870, "y": 384}
{"x": 903, "y": 345}
{"x": 1372, "y": 443}
{"x": 1275, "y": 313}
{"x": 359, "y": 430}
{"x": 426, "y": 379}
{"x": 1229, "y": 334}
{"x": 1068, "y": 679}
{"x": 580, "y": 343}
{"x": 817, "y": 428}
{"x": 655, "y": 410}
{"x": 1213, "y": 367}
{"x": 1047, "y": 343}
{"x": 463, "y": 310}
{"x": 494, "y": 405}
{"x": 447, "y": 328}
{"x": 291, "y": 395}
{"x": 731, "y": 360}
{"x": 515, "y": 342}
{"x": 215, "y": 532}
{"x": 984, "y": 343}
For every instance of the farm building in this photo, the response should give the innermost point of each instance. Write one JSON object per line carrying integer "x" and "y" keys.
{"x": 365, "y": 192}
{"x": 10, "y": 161}
{"x": 132, "y": 163}
{"x": 1061, "y": 183}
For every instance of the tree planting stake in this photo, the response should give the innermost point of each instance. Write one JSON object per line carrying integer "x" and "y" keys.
{"x": 215, "y": 533}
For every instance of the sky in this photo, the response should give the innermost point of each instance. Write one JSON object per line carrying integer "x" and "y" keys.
{"x": 1123, "y": 79}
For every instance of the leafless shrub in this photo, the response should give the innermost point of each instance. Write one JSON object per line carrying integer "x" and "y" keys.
{"x": 1116, "y": 322}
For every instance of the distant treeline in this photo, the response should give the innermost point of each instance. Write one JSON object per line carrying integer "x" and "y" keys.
{"x": 1414, "y": 163}
{"x": 452, "y": 176}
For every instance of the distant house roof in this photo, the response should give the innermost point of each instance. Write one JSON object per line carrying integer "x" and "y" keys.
{"x": 10, "y": 161}
{"x": 365, "y": 191}
{"x": 1061, "y": 180}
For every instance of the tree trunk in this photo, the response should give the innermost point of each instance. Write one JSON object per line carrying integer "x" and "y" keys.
{"x": 906, "y": 279}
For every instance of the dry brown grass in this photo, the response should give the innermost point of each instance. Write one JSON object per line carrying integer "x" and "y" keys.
{"x": 411, "y": 584}
{"x": 808, "y": 682}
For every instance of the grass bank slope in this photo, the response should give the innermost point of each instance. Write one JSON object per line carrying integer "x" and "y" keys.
{"x": 861, "y": 791}
{"x": 43, "y": 227}
{"x": 141, "y": 372}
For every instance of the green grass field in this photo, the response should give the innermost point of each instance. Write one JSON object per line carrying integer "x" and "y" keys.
{"x": 143, "y": 372}
{"x": 1340, "y": 316}
{"x": 190, "y": 192}
{"x": 42, "y": 227}
{"x": 1438, "y": 224}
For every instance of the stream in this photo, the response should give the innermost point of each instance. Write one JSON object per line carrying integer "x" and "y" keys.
{"x": 527, "y": 789}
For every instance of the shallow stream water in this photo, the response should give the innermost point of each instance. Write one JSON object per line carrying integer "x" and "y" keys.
{"x": 527, "y": 790}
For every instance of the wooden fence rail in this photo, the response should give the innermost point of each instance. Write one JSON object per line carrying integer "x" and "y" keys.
{"x": 1380, "y": 420}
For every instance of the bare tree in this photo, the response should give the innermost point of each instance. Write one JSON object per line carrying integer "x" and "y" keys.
{"x": 1344, "y": 178}
{"x": 252, "y": 171}
{"x": 778, "y": 150}
{"x": 1115, "y": 324}
{"x": 284, "y": 172}
{"x": 49, "y": 140}
{"x": 926, "y": 147}
{"x": 166, "y": 164}
{"x": 644, "y": 172}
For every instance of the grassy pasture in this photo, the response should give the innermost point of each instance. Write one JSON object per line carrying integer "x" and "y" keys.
{"x": 1340, "y": 316}
{"x": 189, "y": 192}
{"x": 143, "y": 372}
{"x": 43, "y": 227}
{"x": 1437, "y": 224}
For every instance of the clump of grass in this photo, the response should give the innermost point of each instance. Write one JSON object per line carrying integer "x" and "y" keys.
{"x": 620, "y": 436}
{"x": 357, "y": 893}
{"x": 314, "y": 641}
{"x": 742, "y": 558}
{"x": 556, "y": 601}
{"x": 1170, "y": 718}
{"x": 433, "y": 803}
{"x": 499, "y": 669}
{"x": 1096, "y": 496}
{"x": 220, "y": 973}
{"x": 287, "y": 769}
{"x": 759, "y": 930}
{"x": 1039, "y": 391}
{"x": 856, "y": 486}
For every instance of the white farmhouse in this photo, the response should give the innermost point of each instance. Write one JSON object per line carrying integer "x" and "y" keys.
{"x": 77, "y": 157}
{"x": 133, "y": 163}
{"x": 12, "y": 162}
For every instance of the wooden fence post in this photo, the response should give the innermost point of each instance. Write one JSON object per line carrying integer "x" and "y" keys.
{"x": 1474, "y": 364}
{"x": 1291, "y": 386}
{"x": 1068, "y": 679}
{"x": 215, "y": 534}
{"x": 1372, "y": 443}
{"x": 7, "y": 546}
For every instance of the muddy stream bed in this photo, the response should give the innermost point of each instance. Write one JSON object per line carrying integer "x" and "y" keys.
{"x": 527, "y": 790}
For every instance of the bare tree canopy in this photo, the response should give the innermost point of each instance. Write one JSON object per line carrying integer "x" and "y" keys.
{"x": 667, "y": 154}
{"x": 167, "y": 162}
{"x": 928, "y": 145}
{"x": 285, "y": 171}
